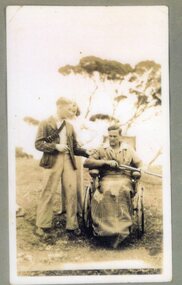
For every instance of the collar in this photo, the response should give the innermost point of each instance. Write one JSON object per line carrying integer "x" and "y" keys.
{"x": 59, "y": 123}
{"x": 54, "y": 122}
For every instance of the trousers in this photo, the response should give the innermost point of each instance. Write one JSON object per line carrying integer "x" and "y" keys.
{"x": 80, "y": 192}
{"x": 63, "y": 170}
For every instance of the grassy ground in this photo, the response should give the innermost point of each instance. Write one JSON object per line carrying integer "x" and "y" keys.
{"x": 35, "y": 256}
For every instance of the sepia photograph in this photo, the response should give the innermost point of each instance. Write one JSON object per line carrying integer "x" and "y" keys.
{"x": 88, "y": 144}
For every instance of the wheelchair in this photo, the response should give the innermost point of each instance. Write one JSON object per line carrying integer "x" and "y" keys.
{"x": 137, "y": 201}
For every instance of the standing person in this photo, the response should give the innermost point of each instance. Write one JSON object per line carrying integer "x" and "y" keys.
{"x": 72, "y": 119}
{"x": 80, "y": 194}
{"x": 57, "y": 140}
{"x": 111, "y": 203}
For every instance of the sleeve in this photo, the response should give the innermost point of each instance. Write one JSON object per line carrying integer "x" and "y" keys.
{"x": 78, "y": 150}
{"x": 95, "y": 161}
{"x": 95, "y": 154}
{"x": 40, "y": 143}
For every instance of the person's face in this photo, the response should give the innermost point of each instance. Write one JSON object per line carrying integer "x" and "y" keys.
{"x": 73, "y": 111}
{"x": 64, "y": 111}
{"x": 74, "y": 108}
{"x": 114, "y": 138}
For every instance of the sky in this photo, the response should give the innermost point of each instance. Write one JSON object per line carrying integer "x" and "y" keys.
{"x": 40, "y": 39}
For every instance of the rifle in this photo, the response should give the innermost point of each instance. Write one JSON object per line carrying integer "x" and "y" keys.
{"x": 127, "y": 167}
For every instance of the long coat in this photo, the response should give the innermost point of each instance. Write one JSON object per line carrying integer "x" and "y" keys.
{"x": 47, "y": 128}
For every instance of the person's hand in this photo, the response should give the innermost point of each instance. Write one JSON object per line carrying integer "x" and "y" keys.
{"x": 136, "y": 174}
{"x": 62, "y": 147}
{"x": 112, "y": 163}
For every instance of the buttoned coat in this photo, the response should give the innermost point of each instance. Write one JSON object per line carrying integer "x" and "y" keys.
{"x": 50, "y": 153}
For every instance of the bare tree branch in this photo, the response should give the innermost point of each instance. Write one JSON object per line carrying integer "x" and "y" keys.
{"x": 90, "y": 100}
{"x": 159, "y": 152}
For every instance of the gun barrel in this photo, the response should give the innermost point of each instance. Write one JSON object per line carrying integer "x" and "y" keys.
{"x": 153, "y": 174}
{"x": 127, "y": 167}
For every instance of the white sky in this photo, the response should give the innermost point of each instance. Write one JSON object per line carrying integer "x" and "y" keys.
{"x": 40, "y": 39}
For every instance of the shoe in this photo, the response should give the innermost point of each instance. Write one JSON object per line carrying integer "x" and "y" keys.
{"x": 41, "y": 232}
{"x": 76, "y": 232}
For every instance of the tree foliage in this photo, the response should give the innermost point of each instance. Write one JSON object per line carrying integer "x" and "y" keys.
{"x": 143, "y": 66}
{"x": 103, "y": 117}
{"x": 21, "y": 154}
{"x": 31, "y": 121}
{"x": 107, "y": 69}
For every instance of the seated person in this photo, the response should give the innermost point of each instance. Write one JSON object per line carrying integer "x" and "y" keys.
{"x": 111, "y": 207}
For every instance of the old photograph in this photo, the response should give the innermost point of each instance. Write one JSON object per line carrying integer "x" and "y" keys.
{"x": 88, "y": 144}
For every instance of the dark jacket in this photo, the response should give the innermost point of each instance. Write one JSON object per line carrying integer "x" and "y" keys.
{"x": 47, "y": 128}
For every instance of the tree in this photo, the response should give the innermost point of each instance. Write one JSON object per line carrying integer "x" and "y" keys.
{"x": 98, "y": 69}
{"x": 145, "y": 81}
{"x": 147, "y": 88}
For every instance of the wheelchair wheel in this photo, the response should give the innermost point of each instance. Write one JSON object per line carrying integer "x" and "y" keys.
{"x": 140, "y": 214}
{"x": 87, "y": 221}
